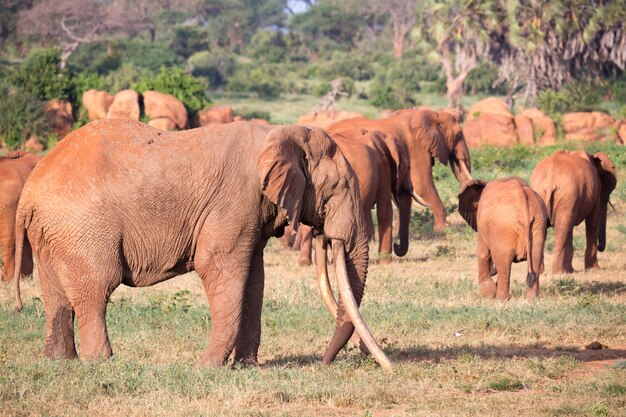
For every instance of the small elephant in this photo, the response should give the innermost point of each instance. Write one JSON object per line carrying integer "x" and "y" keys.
{"x": 14, "y": 170}
{"x": 575, "y": 186}
{"x": 381, "y": 166}
{"x": 119, "y": 202}
{"x": 510, "y": 219}
{"x": 427, "y": 136}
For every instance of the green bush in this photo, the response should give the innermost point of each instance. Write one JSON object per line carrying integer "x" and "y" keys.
{"x": 40, "y": 76}
{"x": 342, "y": 64}
{"x": 261, "y": 80}
{"x": 398, "y": 81}
{"x": 268, "y": 46}
{"x": 480, "y": 81}
{"x": 253, "y": 114}
{"x": 21, "y": 115}
{"x": 126, "y": 77}
{"x": 217, "y": 67}
{"x": 187, "y": 88}
{"x": 576, "y": 96}
{"x": 618, "y": 89}
{"x": 187, "y": 40}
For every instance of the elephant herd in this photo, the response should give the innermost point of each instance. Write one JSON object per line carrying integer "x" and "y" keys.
{"x": 119, "y": 202}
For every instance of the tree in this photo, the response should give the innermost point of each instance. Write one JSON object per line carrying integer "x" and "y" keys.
{"x": 551, "y": 43}
{"x": 9, "y": 13}
{"x": 462, "y": 32}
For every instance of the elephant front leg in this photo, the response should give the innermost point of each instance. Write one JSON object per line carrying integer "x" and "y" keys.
{"x": 223, "y": 268}
{"x": 249, "y": 338}
{"x": 384, "y": 215}
{"x": 306, "y": 246}
{"x": 486, "y": 285}
{"x": 592, "y": 231}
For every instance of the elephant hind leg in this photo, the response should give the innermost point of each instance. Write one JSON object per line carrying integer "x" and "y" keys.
{"x": 592, "y": 230}
{"x": 563, "y": 248}
{"x": 90, "y": 306}
{"x": 503, "y": 266}
{"x": 486, "y": 285}
{"x": 59, "y": 317}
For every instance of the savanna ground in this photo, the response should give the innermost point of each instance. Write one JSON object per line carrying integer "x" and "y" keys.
{"x": 454, "y": 353}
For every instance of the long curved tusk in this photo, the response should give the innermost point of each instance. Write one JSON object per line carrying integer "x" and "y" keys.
{"x": 465, "y": 170}
{"x": 347, "y": 297}
{"x": 419, "y": 200}
{"x": 322, "y": 277}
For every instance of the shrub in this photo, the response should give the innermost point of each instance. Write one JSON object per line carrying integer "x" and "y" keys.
{"x": 253, "y": 113}
{"x": 576, "y": 96}
{"x": 187, "y": 40}
{"x": 268, "y": 46}
{"x": 40, "y": 76}
{"x": 396, "y": 85}
{"x": 21, "y": 115}
{"x": 126, "y": 77}
{"x": 187, "y": 88}
{"x": 480, "y": 81}
{"x": 261, "y": 80}
{"x": 217, "y": 67}
{"x": 342, "y": 65}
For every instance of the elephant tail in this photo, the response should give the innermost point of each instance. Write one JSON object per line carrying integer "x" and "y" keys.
{"x": 531, "y": 277}
{"x": 19, "y": 247}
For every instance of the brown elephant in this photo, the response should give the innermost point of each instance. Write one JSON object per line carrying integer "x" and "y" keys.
{"x": 119, "y": 202}
{"x": 14, "y": 170}
{"x": 427, "y": 135}
{"x": 511, "y": 222}
{"x": 575, "y": 186}
{"x": 381, "y": 166}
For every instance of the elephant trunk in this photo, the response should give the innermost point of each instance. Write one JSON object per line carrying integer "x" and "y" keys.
{"x": 404, "y": 213}
{"x": 461, "y": 164}
{"x": 602, "y": 231}
{"x": 351, "y": 271}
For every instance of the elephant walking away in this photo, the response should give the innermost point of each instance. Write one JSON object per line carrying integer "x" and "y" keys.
{"x": 511, "y": 222}
{"x": 427, "y": 136}
{"x": 14, "y": 170}
{"x": 575, "y": 186}
{"x": 119, "y": 202}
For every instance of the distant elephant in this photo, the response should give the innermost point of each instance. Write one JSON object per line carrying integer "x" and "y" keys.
{"x": 575, "y": 186}
{"x": 119, "y": 202}
{"x": 381, "y": 166}
{"x": 427, "y": 135}
{"x": 14, "y": 170}
{"x": 511, "y": 222}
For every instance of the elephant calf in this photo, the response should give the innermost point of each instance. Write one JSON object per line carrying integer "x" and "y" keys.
{"x": 14, "y": 170}
{"x": 511, "y": 220}
{"x": 575, "y": 186}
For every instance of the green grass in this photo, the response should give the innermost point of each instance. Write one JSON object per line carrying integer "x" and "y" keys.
{"x": 454, "y": 353}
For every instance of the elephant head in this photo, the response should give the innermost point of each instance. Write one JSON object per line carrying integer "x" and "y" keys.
{"x": 608, "y": 180}
{"x": 441, "y": 136}
{"x": 469, "y": 196}
{"x": 303, "y": 172}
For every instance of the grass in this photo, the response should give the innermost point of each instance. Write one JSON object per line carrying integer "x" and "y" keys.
{"x": 454, "y": 353}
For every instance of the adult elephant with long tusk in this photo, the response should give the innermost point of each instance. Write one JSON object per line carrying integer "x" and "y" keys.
{"x": 428, "y": 136}
{"x": 119, "y": 202}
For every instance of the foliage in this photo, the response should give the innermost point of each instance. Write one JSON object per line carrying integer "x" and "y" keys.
{"x": 579, "y": 96}
{"x": 40, "y": 76}
{"x": 481, "y": 80}
{"x": 187, "y": 40}
{"x": 397, "y": 85}
{"x": 216, "y": 67}
{"x": 355, "y": 66}
{"x": 21, "y": 116}
{"x": 253, "y": 113}
{"x": 268, "y": 46}
{"x": 187, "y": 88}
{"x": 261, "y": 80}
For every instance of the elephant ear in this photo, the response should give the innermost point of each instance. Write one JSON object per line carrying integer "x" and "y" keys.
{"x": 281, "y": 169}
{"x": 426, "y": 129}
{"x": 469, "y": 196}
{"x": 607, "y": 172}
{"x": 397, "y": 156}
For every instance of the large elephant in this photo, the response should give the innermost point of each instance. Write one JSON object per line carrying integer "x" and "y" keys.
{"x": 119, "y": 202}
{"x": 381, "y": 165}
{"x": 427, "y": 135}
{"x": 511, "y": 220}
{"x": 575, "y": 186}
{"x": 14, "y": 170}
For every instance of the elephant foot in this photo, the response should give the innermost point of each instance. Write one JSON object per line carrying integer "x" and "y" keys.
{"x": 569, "y": 270}
{"x": 532, "y": 294}
{"x": 304, "y": 262}
{"x": 594, "y": 266}
{"x": 504, "y": 296}
{"x": 487, "y": 288}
